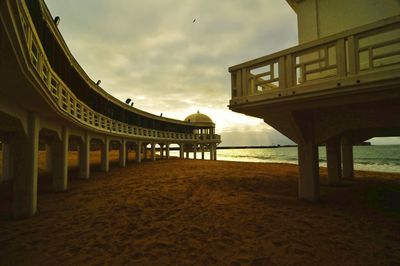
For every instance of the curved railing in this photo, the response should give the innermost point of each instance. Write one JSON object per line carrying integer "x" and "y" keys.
{"x": 65, "y": 100}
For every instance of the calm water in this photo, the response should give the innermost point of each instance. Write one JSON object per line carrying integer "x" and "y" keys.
{"x": 384, "y": 158}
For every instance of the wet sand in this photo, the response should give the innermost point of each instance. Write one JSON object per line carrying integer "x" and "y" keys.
{"x": 193, "y": 212}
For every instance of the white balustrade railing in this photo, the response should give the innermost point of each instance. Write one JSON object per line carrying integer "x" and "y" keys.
{"x": 364, "y": 50}
{"x": 66, "y": 101}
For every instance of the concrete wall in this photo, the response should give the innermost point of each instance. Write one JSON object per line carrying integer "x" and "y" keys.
{"x": 321, "y": 18}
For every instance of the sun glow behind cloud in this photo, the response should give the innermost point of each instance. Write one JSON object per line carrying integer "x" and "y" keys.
{"x": 151, "y": 51}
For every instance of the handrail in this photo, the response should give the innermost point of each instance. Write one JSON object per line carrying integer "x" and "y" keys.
{"x": 368, "y": 49}
{"x": 65, "y": 100}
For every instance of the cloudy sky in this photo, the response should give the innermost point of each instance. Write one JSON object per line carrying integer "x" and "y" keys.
{"x": 151, "y": 51}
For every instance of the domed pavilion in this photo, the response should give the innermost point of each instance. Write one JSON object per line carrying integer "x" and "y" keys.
{"x": 204, "y": 129}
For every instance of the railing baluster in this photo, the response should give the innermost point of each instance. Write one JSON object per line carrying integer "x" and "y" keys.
{"x": 340, "y": 58}
{"x": 282, "y": 73}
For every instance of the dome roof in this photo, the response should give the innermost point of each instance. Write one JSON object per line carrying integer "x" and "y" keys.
{"x": 199, "y": 118}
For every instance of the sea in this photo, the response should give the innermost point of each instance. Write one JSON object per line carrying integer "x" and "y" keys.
{"x": 380, "y": 158}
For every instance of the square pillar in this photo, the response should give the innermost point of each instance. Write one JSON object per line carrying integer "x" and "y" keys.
{"x": 161, "y": 150}
{"x": 84, "y": 157}
{"x": 105, "y": 155}
{"x": 334, "y": 161}
{"x": 153, "y": 151}
{"x": 60, "y": 161}
{"x": 139, "y": 152}
{"x": 181, "y": 152}
{"x": 167, "y": 151}
{"x": 122, "y": 153}
{"x": 211, "y": 147}
{"x": 347, "y": 155}
{"x": 26, "y": 170}
{"x": 308, "y": 171}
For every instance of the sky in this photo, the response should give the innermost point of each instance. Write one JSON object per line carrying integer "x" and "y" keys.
{"x": 152, "y": 52}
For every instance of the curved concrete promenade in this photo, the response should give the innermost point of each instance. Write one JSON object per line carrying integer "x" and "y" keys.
{"x": 40, "y": 107}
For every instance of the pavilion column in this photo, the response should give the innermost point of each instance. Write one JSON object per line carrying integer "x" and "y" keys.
{"x": 122, "y": 153}
{"x": 105, "y": 155}
{"x": 153, "y": 151}
{"x": 139, "y": 152}
{"x": 167, "y": 150}
{"x": 161, "y": 150}
{"x": 8, "y": 162}
{"x": 26, "y": 169}
{"x": 195, "y": 152}
{"x": 181, "y": 152}
{"x": 308, "y": 171}
{"x": 333, "y": 158}
{"x": 60, "y": 161}
{"x": 187, "y": 154}
{"x": 347, "y": 156}
{"x": 215, "y": 152}
{"x": 49, "y": 157}
{"x": 211, "y": 148}
{"x": 202, "y": 153}
{"x": 84, "y": 157}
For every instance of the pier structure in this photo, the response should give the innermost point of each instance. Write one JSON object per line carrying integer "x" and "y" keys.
{"x": 47, "y": 100}
{"x": 338, "y": 87}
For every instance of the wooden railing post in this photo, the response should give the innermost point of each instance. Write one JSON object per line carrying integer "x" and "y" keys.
{"x": 289, "y": 72}
{"x": 245, "y": 83}
{"x": 352, "y": 55}
{"x": 282, "y": 73}
{"x": 341, "y": 58}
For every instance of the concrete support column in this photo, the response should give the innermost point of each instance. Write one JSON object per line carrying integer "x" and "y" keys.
{"x": 334, "y": 161}
{"x": 215, "y": 152}
{"x": 105, "y": 155}
{"x": 181, "y": 152}
{"x": 195, "y": 152}
{"x": 60, "y": 161}
{"x": 26, "y": 170}
{"x": 167, "y": 151}
{"x": 161, "y": 150}
{"x": 308, "y": 171}
{"x": 8, "y": 162}
{"x": 139, "y": 152}
{"x": 153, "y": 151}
{"x": 122, "y": 153}
{"x": 202, "y": 154}
{"x": 49, "y": 157}
{"x": 84, "y": 157}
{"x": 187, "y": 154}
{"x": 212, "y": 152}
{"x": 347, "y": 154}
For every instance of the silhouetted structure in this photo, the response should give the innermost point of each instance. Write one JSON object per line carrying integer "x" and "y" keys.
{"x": 340, "y": 86}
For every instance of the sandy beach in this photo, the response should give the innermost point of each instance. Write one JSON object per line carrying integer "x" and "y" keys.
{"x": 193, "y": 212}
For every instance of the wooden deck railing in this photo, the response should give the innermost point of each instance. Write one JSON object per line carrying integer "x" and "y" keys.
{"x": 62, "y": 97}
{"x": 368, "y": 49}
